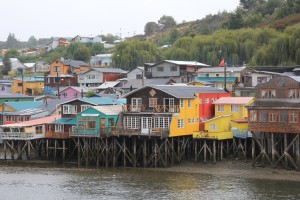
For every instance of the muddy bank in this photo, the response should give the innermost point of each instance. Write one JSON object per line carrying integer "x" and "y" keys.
{"x": 234, "y": 169}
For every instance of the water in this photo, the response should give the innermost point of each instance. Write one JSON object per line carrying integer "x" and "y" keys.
{"x": 79, "y": 183}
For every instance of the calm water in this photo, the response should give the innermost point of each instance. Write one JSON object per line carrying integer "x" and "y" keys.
{"x": 73, "y": 183}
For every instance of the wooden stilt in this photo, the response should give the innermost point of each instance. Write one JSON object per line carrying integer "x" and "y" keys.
{"x": 64, "y": 151}
{"x": 4, "y": 142}
{"x": 214, "y": 152}
{"x": 78, "y": 152}
{"x": 134, "y": 152}
{"x": 145, "y": 153}
{"x": 205, "y": 146}
{"x": 221, "y": 150}
{"x": 196, "y": 151}
{"x": 124, "y": 152}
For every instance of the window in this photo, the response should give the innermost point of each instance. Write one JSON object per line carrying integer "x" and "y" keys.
{"x": 217, "y": 75}
{"x": 131, "y": 122}
{"x": 81, "y": 77}
{"x": 272, "y": 117}
{"x": 262, "y": 80}
{"x": 293, "y": 116}
{"x": 160, "y": 69}
{"x": 220, "y": 108}
{"x": 85, "y": 123}
{"x": 268, "y": 93}
{"x": 253, "y": 115}
{"x": 212, "y": 127}
{"x": 75, "y": 95}
{"x": 38, "y": 129}
{"x": 262, "y": 116}
{"x": 59, "y": 128}
{"x": 56, "y": 69}
{"x": 181, "y": 103}
{"x": 84, "y": 107}
{"x": 294, "y": 93}
{"x": 69, "y": 109}
{"x": 7, "y": 118}
{"x": 283, "y": 116}
{"x": 49, "y": 127}
{"x": 13, "y": 118}
{"x": 173, "y": 68}
{"x": 189, "y": 120}
{"x": 152, "y": 102}
{"x": 65, "y": 95}
{"x": 200, "y": 101}
{"x": 161, "y": 122}
{"x": 189, "y": 103}
{"x": 180, "y": 123}
{"x": 136, "y": 104}
{"x": 234, "y": 108}
{"x": 206, "y": 100}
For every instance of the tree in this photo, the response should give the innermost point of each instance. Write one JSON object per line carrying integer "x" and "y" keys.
{"x": 32, "y": 42}
{"x": 82, "y": 53}
{"x": 150, "y": 28}
{"x": 235, "y": 20}
{"x": 11, "y": 41}
{"x": 12, "y": 53}
{"x": 250, "y": 4}
{"x": 97, "y": 48}
{"x": 166, "y": 22}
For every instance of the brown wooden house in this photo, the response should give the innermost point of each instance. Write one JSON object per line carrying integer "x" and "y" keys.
{"x": 276, "y": 106}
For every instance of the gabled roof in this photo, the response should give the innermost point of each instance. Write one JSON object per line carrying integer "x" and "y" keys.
{"x": 51, "y": 104}
{"x": 73, "y": 63}
{"x": 78, "y": 89}
{"x": 220, "y": 69}
{"x": 96, "y": 101}
{"x": 233, "y": 100}
{"x": 216, "y": 79}
{"x": 16, "y": 95}
{"x": 22, "y": 105}
{"x": 105, "y": 70}
{"x": 29, "y": 111}
{"x": 45, "y": 120}
{"x": 108, "y": 84}
{"x": 31, "y": 79}
{"x": 186, "y": 63}
{"x": 138, "y": 83}
{"x": 109, "y": 110}
{"x": 182, "y": 91}
{"x": 64, "y": 120}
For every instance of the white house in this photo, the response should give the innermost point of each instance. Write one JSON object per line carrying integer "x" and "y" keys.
{"x": 87, "y": 39}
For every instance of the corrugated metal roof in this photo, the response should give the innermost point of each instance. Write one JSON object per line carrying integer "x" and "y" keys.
{"x": 29, "y": 111}
{"x": 233, "y": 100}
{"x": 22, "y": 105}
{"x": 183, "y": 91}
{"x": 34, "y": 122}
{"x": 109, "y": 110}
{"x": 220, "y": 69}
{"x": 189, "y": 63}
{"x": 102, "y": 100}
{"x": 65, "y": 120}
{"x": 108, "y": 84}
{"x": 216, "y": 79}
{"x": 31, "y": 79}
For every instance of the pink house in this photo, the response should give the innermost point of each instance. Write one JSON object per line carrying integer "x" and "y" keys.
{"x": 72, "y": 92}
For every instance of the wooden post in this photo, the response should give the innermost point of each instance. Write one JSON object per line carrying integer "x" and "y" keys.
{"x": 106, "y": 152}
{"x": 97, "y": 152}
{"x": 78, "y": 152}
{"x": 28, "y": 147}
{"x": 134, "y": 152}
{"x": 253, "y": 148}
{"x": 195, "y": 148}
{"x": 166, "y": 152}
{"x": 145, "y": 153}
{"x": 214, "y": 152}
{"x": 297, "y": 149}
{"x": 12, "y": 150}
{"x": 273, "y": 147}
{"x": 47, "y": 149}
{"x": 55, "y": 146}
{"x": 124, "y": 151}
{"x": 204, "y": 150}
{"x": 4, "y": 142}
{"x": 64, "y": 150}
{"x": 172, "y": 154}
{"x": 155, "y": 153}
{"x": 221, "y": 150}
{"x": 114, "y": 151}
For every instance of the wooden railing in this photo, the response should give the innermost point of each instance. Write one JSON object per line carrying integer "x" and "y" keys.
{"x": 157, "y": 108}
{"x": 162, "y": 132}
{"x": 17, "y": 135}
{"x": 93, "y": 132}
{"x": 60, "y": 135}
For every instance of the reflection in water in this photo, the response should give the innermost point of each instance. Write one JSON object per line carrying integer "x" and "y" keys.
{"x": 73, "y": 183}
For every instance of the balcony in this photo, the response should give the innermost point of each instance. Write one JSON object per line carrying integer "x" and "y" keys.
{"x": 57, "y": 135}
{"x": 155, "y": 109}
{"x": 156, "y": 132}
{"x": 18, "y": 135}
{"x": 78, "y": 132}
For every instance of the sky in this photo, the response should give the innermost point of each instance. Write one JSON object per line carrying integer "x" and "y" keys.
{"x": 125, "y": 18}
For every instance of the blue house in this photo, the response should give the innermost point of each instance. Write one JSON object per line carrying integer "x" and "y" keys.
{"x": 97, "y": 121}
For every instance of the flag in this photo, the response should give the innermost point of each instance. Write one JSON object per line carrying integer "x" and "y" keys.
{"x": 222, "y": 63}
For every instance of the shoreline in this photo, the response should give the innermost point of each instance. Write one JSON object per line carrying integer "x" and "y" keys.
{"x": 232, "y": 168}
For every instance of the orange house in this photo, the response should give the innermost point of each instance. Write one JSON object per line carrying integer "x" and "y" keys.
{"x": 63, "y": 73}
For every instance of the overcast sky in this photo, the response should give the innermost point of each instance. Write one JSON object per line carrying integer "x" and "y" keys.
{"x": 68, "y": 18}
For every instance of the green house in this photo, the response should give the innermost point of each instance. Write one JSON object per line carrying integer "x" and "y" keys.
{"x": 96, "y": 121}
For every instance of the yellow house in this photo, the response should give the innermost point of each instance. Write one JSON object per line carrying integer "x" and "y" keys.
{"x": 28, "y": 85}
{"x": 187, "y": 120}
{"x": 230, "y": 118}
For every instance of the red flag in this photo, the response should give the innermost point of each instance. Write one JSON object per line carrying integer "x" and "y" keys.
{"x": 222, "y": 63}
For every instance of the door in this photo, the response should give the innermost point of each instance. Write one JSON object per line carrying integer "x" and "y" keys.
{"x": 146, "y": 125}
{"x": 169, "y": 105}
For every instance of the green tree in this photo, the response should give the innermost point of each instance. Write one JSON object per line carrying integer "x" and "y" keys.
{"x": 12, "y": 53}
{"x": 235, "y": 20}
{"x": 166, "y": 22}
{"x": 150, "y": 28}
{"x": 32, "y": 42}
{"x": 12, "y": 42}
{"x": 97, "y": 48}
{"x": 82, "y": 53}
